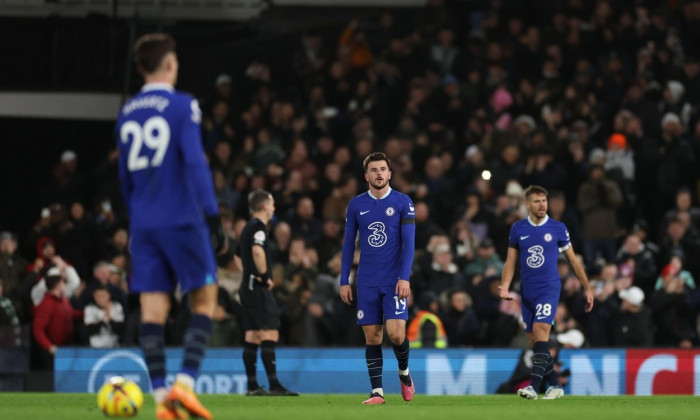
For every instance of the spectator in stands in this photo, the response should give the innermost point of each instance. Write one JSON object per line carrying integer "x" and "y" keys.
{"x": 598, "y": 198}
{"x": 632, "y": 323}
{"x": 104, "y": 319}
{"x": 101, "y": 278}
{"x": 72, "y": 286}
{"x": 53, "y": 320}
{"x": 426, "y": 329}
{"x": 10, "y": 328}
{"x": 12, "y": 265}
{"x": 441, "y": 275}
{"x": 485, "y": 264}
{"x": 425, "y": 226}
{"x": 461, "y": 324}
{"x": 672, "y": 314}
{"x": 304, "y": 223}
{"x": 640, "y": 261}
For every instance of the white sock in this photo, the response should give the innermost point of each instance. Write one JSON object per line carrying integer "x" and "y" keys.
{"x": 403, "y": 372}
{"x": 185, "y": 379}
{"x": 379, "y": 391}
{"x": 159, "y": 395}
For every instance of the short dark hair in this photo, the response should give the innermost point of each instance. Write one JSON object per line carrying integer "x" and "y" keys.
{"x": 258, "y": 198}
{"x": 534, "y": 189}
{"x": 150, "y": 49}
{"x": 52, "y": 281}
{"x": 376, "y": 157}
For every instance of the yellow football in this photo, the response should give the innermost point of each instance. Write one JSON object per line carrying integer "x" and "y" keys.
{"x": 119, "y": 397}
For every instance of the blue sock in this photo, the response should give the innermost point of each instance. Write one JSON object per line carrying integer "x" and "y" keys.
{"x": 375, "y": 364}
{"x": 539, "y": 363}
{"x": 196, "y": 339}
{"x": 550, "y": 374}
{"x": 401, "y": 353}
{"x": 153, "y": 344}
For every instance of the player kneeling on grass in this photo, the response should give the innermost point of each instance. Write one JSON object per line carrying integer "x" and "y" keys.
{"x": 386, "y": 221}
{"x": 538, "y": 240}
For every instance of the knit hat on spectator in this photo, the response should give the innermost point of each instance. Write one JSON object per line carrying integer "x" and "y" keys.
{"x": 7, "y": 235}
{"x": 573, "y": 338}
{"x": 618, "y": 141}
{"x": 633, "y": 295}
{"x": 669, "y": 269}
{"x": 669, "y": 117}
{"x": 501, "y": 99}
{"x": 68, "y": 156}
{"x": 222, "y": 79}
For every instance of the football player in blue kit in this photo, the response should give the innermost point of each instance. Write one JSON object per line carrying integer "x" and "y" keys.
{"x": 538, "y": 240}
{"x": 174, "y": 219}
{"x": 385, "y": 220}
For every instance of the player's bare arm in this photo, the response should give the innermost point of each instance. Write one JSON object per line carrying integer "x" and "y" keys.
{"x": 507, "y": 275}
{"x": 581, "y": 274}
{"x": 261, "y": 264}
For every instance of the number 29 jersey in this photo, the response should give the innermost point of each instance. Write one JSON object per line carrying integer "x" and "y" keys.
{"x": 539, "y": 247}
{"x": 164, "y": 176}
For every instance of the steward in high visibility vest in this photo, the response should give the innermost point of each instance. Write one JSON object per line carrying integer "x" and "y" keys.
{"x": 426, "y": 330}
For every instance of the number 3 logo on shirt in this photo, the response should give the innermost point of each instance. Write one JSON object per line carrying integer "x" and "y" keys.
{"x": 378, "y": 237}
{"x": 536, "y": 258}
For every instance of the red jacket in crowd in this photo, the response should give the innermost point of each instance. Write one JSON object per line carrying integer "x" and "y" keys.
{"x": 53, "y": 321}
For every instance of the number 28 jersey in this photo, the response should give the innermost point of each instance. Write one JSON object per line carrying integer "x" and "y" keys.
{"x": 165, "y": 180}
{"x": 539, "y": 247}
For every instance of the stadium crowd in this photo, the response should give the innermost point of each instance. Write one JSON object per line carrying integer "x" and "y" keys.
{"x": 597, "y": 101}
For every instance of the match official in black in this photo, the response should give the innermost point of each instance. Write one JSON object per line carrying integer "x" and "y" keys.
{"x": 260, "y": 312}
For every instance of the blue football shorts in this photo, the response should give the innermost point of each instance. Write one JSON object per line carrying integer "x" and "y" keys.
{"x": 164, "y": 257}
{"x": 376, "y": 304}
{"x": 539, "y": 302}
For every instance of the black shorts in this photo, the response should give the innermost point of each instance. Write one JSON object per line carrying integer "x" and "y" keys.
{"x": 260, "y": 311}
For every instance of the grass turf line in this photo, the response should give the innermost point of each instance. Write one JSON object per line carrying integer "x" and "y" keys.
{"x": 26, "y": 406}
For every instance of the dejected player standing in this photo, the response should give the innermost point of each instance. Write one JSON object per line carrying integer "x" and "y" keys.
{"x": 169, "y": 194}
{"x": 538, "y": 240}
{"x": 385, "y": 220}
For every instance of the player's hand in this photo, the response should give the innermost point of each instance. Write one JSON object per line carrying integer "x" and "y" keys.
{"x": 346, "y": 294}
{"x": 590, "y": 298}
{"x": 504, "y": 293}
{"x": 403, "y": 289}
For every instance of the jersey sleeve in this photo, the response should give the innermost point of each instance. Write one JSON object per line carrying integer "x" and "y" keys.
{"x": 513, "y": 237}
{"x": 408, "y": 238}
{"x": 198, "y": 172}
{"x": 260, "y": 238}
{"x": 563, "y": 241}
{"x": 348, "y": 253}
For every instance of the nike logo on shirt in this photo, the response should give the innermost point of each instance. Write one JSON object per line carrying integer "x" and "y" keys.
{"x": 399, "y": 313}
{"x": 522, "y": 238}
{"x": 363, "y": 212}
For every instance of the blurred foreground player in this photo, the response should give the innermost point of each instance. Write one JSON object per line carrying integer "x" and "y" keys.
{"x": 538, "y": 240}
{"x": 170, "y": 198}
{"x": 386, "y": 221}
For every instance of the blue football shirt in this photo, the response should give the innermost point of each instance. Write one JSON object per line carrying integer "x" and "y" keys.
{"x": 539, "y": 248}
{"x": 387, "y": 237}
{"x": 164, "y": 176}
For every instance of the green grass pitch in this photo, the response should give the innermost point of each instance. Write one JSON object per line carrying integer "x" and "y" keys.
{"x": 49, "y": 406}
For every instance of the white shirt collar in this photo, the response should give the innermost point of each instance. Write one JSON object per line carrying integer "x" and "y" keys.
{"x": 384, "y": 196}
{"x": 157, "y": 86}
{"x": 546, "y": 217}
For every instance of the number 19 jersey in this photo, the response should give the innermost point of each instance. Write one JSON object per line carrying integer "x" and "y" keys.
{"x": 164, "y": 176}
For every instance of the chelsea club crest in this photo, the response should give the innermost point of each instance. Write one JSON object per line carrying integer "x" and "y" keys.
{"x": 390, "y": 211}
